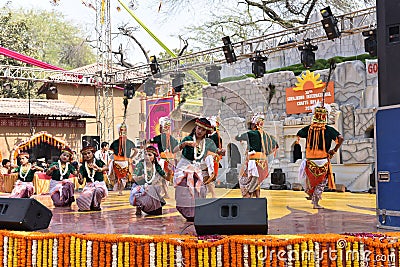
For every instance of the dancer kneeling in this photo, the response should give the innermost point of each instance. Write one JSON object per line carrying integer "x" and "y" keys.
{"x": 147, "y": 187}
{"x": 195, "y": 166}
{"x": 95, "y": 189}
{"x": 61, "y": 188}
{"x": 23, "y": 187}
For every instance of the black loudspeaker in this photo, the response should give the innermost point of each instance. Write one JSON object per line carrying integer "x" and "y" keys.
{"x": 388, "y": 36}
{"x": 231, "y": 216}
{"x": 23, "y": 214}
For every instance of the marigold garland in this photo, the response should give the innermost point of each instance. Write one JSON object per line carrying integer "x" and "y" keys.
{"x": 108, "y": 254}
{"x": 39, "y": 255}
{"x": 146, "y": 253}
{"x": 171, "y": 255}
{"x": 165, "y": 254}
{"x": 47, "y": 249}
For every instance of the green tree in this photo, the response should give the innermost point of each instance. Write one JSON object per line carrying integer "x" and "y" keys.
{"x": 252, "y": 18}
{"x": 45, "y": 36}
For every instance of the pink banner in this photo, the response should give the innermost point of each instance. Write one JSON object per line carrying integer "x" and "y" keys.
{"x": 156, "y": 108}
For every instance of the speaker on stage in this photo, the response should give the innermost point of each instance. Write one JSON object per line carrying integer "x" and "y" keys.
{"x": 26, "y": 214}
{"x": 231, "y": 216}
{"x": 388, "y": 36}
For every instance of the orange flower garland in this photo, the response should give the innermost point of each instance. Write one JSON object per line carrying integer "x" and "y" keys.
{"x": 108, "y": 254}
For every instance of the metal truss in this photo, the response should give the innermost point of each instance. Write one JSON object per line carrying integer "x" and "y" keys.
{"x": 104, "y": 92}
{"x": 349, "y": 24}
{"x": 44, "y": 75}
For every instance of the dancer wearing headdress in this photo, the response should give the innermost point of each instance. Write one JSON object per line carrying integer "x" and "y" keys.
{"x": 166, "y": 144}
{"x": 316, "y": 169}
{"x": 215, "y": 136}
{"x": 23, "y": 187}
{"x": 195, "y": 166}
{"x": 124, "y": 151}
{"x": 95, "y": 189}
{"x": 260, "y": 145}
{"x": 146, "y": 189}
{"x": 61, "y": 188}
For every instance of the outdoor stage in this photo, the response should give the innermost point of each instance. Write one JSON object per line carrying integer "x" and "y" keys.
{"x": 115, "y": 236}
{"x": 288, "y": 213}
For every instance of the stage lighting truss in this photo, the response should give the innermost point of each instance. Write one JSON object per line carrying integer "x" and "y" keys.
{"x": 370, "y": 43}
{"x": 307, "y": 53}
{"x": 213, "y": 74}
{"x": 258, "y": 65}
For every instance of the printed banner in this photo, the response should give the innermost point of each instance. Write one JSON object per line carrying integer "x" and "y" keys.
{"x": 155, "y": 109}
{"x": 308, "y": 92}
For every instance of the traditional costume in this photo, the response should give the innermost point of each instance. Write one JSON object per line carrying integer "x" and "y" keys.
{"x": 255, "y": 168}
{"x": 195, "y": 166}
{"x": 146, "y": 189}
{"x": 316, "y": 169}
{"x": 122, "y": 163}
{"x": 166, "y": 144}
{"x": 95, "y": 189}
{"x": 23, "y": 187}
{"x": 61, "y": 188}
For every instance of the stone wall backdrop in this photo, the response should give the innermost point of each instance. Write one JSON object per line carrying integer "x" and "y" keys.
{"x": 353, "y": 115}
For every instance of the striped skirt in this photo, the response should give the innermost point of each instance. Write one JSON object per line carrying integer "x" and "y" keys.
{"x": 91, "y": 196}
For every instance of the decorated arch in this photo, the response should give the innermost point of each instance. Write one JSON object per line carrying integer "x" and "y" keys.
{"x": 40, "y": 145}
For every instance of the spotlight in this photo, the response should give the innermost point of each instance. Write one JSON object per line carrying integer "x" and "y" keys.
{"x": 177, "y": 81}
{"x": 228, "y": 50}
{"x": 329, "y": 22}
{"x": 370, "y": 43}
{"x": 213, "y": 74}
{"x": 154, "y": 67}
{"x": 149, "y": 87}
{"x": 258, "y": 66}
{"x": 129, "y": 90}
{"x": 307, "y": 54}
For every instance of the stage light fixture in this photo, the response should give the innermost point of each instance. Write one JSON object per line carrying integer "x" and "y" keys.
{"x": 370, "y": 43}
{"x": 258, "y": 65}
{"x": 307, "y": 54}
{"x": 149, "y": 86}
{"x": 177, "y": 81}
{"x": 129, "y": 90}
{"x": 213, "y": 74}
{"x": 154, "y": 67}
{"x": 329, "y": 22}
{"x": 228, "y": 50}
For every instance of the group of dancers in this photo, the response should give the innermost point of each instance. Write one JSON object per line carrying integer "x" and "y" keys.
{"x": 193, "y": 175}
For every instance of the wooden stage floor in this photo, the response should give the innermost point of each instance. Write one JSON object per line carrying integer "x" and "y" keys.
{"x": 288, "y": 213}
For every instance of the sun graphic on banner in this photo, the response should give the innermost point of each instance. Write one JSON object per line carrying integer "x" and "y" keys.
{"x": 156, "y": 128}
{"x": 308, "y": 80}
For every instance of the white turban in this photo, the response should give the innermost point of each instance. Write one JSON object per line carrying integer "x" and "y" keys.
{"x": 163, "y": 121}
{"x": 256, "y": 117}
{"x": 319, "y": 104}
{"x": 213, "y": 120}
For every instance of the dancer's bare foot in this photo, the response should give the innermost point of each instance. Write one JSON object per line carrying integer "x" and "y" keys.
{"x": 138, "y": 211}
{"x": 308, "y": 197}
{"x": 119, "y": 193}
{"x": 316, "y": 206}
